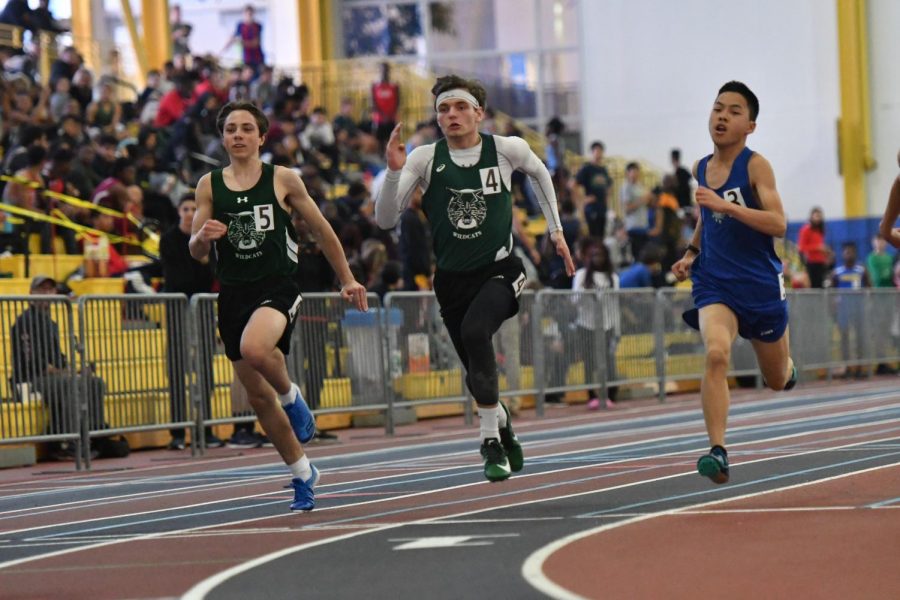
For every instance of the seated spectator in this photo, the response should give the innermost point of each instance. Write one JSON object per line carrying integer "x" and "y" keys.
{"x": 105, "y": 114}
{"x": 59, "y": 99}
{"x": 389, "y": 280}
{"x": 41, "y": 365}
{"x": 643, "y": 273}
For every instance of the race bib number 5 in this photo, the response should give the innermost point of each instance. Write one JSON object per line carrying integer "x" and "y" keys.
{"x": 264, "y": 216}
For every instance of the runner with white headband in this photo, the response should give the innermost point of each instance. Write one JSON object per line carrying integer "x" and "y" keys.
{"x": 466, "y": 184}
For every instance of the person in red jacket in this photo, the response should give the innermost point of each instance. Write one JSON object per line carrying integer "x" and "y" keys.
{"x": 815, "y": 252}
{"x": 385, "y": 104}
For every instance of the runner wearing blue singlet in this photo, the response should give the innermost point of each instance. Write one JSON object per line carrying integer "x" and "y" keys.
{"x": 738, "y": 286}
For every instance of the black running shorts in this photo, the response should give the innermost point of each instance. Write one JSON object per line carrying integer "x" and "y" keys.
{"x": 238, "y": 303}
{"x": 455, "y": 290}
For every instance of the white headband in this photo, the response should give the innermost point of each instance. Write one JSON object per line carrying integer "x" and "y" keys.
{"x": 456, "y": 94}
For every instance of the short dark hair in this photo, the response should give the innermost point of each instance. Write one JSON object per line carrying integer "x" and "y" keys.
{"x": 676, "y": 154}
{"x": 35, "y": 155}
{"x": 632, "y": 165}
{"x": 851, "y": 245}
{"x": 450, "y": 82}
{"x": 262, "y": 122}
{"x": 597, "y": 144}
{"x": 357, "y": 188}
{"x": 742, "y": 89}
{"x": 189, "y": 197}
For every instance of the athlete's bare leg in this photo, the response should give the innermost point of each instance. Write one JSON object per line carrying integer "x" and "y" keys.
{"x": 258, "y": 347}
{"x": 718, "y": 327}
{"x": 774, "y": 359}
{"x": 271, "y": 416}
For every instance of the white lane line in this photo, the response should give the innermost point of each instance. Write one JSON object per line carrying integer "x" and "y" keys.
{"x": 388, "y": 477}
{"x": 875, "y": 394}
{"x": 199, "y": 591}
{"x": 593, "y": 436}
{"x": 533, "y": 567}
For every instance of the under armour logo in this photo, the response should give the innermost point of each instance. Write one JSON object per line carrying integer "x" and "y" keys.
{"x": 440, "y": 168}
{"x": 244, "y": 199}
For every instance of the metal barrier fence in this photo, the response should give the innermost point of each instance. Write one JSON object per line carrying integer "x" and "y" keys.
{"x": 155, "y": 362}
{"x": 39, "y": 391}
{"x": 137, "y": 346}
{"x": 423, "y": 368}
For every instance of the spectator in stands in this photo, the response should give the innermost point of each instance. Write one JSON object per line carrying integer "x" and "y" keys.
{"x": 642, "y": 273}
{"x": 344, "y": 121}
{"x": 596, "y": 274}
{"x": 594, "y": 182}
{"x": 59, "y": 99}
{"x": 666, "y": 228}
{"x": 415, "y": 245}
{"x": 17, "y": 157}
{"x": 249, "y": 33}
{"x": 850, "y": 306}
{"x": 24, "y": 193}
{"x": 174, "y": 104}
{"x": 82, "y": 88}
{"x": 262, "y": 91}
{"x": 385, "y": 104}
{"x": 71, "y": 132}
{"x": 42, "y": 19}
{"x": 105, "y": 149}
{"x": 184, "y": 275}
{"x": 682, "y": 185}
{"x": 815, "y": 252}
{"x": 634, "y": 200}
{"x": 880, "y": 264}
{"x": 65, "y": 65}
{"x": 113, "y": 189}
{"x": 181, "y": 32}
{"x": 38, "y": 360}
{"x": 390, "y": 279}
{"x": 105, "y": 114}
{"x": 619, "y": 245}
{"x": 555, "y": 150}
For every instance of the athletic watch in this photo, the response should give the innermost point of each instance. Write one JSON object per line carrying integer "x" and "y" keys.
{"x": 693, "y": 248}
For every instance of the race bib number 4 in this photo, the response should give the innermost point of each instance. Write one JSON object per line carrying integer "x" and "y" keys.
{"x": 490, "y": 180}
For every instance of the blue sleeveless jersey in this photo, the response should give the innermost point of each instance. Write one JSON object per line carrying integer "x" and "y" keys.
{"x": 736, "y": 262}
{"x": 849, "y": 278}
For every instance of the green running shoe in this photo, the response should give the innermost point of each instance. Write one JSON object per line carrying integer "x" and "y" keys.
{"x": 714, "y": 465}
{"x": 496, "y": 467}
{"x": 511, "y": 444}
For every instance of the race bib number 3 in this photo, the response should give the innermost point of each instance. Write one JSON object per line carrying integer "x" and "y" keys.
{"x": 264, "y": 216}
{"x": 490, "y": 180}
{"x": 735, "y": 197}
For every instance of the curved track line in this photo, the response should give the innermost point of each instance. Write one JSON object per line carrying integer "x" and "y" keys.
{"x": 199, "y": 591}
{"x": 533, "y": 567}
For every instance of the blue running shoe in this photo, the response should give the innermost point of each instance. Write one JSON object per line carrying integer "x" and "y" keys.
{"x": 302, "y": 420}
{"x": 304, "y": 494}
{"x": 714, "y": 465}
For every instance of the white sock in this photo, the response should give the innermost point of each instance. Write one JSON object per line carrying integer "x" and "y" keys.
{"x": 288, "y": 398}
{"x": 301, "y": 468}
{"x": 501, "y": 417}
{"x": 490, "y": 426}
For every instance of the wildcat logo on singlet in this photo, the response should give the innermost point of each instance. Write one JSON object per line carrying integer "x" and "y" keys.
{"x": 243, "y": 235}
{"x": 467, "y": 210}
